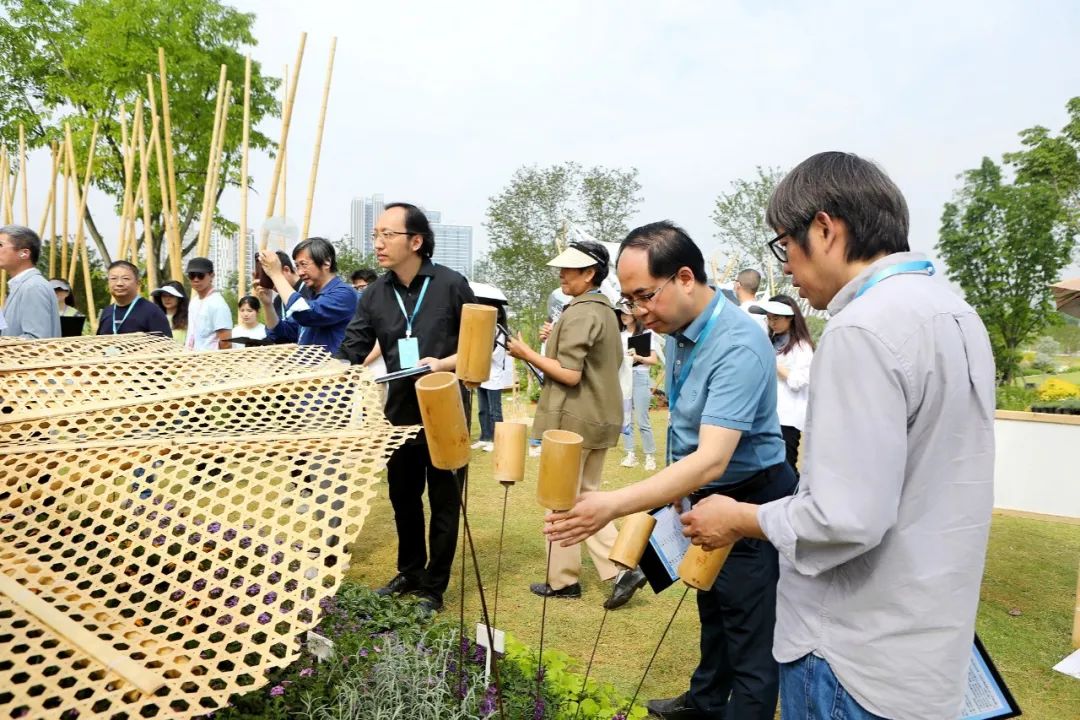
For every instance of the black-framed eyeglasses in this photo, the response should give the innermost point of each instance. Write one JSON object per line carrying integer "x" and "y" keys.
{"x": 387, "y": 235}
{"x": 647, "y": 298}
{"x": 778, "y": 250}
{"x": 196, "y": 275}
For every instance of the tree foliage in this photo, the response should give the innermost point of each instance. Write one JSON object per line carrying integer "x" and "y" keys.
{"x": 1005, "y": 242}
{"x": 78, "y": 61}
{"x": 739, "y": 216}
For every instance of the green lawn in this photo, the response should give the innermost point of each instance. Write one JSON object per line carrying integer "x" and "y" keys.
{"x": 1031, "y": 568}
{"x": 1073, "y": 377}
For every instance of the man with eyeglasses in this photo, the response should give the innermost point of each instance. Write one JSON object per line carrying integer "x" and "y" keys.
{"x": 321, "y": 318}
{"x": 129, "y": 313}
{"x": 30, "y": 307}
{"x": 723, "y": 439}
{"x": 413, "y": 311}
{"x": 210, "y": 320}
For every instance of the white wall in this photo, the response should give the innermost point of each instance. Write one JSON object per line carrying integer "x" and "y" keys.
{"x": 1037, "y": 466}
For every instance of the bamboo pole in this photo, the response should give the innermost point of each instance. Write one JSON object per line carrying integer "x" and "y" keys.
{"x": 53, "y": 203}
{"x": 284, "y": 159}
{"x": 204, "y": 224}
{"x": 215, "y": 178}
{"x": 283, "y": 142}
{"x": 67, "y": 214}
{"x": 172, "y": 236}
{"x": 318, "y": 140}
{"x": 241, "y": 251}
{"x": 5, "y": 209}
{"x": 173, "y": 203}
{"x": 144, "y": 191}
{"x": 133, "y": 241}
{"x": 121, "y": 247}
{"x": 23, "y": 175}
{"x": 80, "y": 235}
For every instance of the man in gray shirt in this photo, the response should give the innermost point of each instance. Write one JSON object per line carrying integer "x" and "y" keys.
{"x": 882, "y": 548}
{"x": 30, "y": 308}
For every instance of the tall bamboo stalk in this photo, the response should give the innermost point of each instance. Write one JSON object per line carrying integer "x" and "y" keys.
{"x": 80, "y": 235}
{"x": 5, "y": 208}
{"x": 283, "y": 142}
{"x": 23, "y": 175}
{"x": 144, "y": 192}
{"x": 172, "y": 234}
{"x": 53, "y": 202}
{"x": 204, "y": 220}
{"x": 284, "y": 160}
{"x": 173, "y": 203}
{"x": 241, "y": 251}
{"x": 318, "y": 140}
{"x": 67, "y": 215}
{"x": 125, "y": 207}
{"x": 133, "y": 241}
{"x": 215, "y": 178}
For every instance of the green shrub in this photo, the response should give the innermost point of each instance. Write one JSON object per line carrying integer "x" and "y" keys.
{"x": 1011, "y": 397}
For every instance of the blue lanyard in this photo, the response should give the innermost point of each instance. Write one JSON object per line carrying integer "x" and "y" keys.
{"x": 908, "y": 267}
{"x": 117, "y": 325}
{"x": 401, "y": 304}
{"x": 678, "y": 382}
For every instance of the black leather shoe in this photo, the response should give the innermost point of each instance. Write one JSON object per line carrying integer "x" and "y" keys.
{"x": 430, "y": 603}
{"x": 625, "y": 586}
{"x": 544, "y": 590}
{"x": 400, "y": 584}
{"x": 674, "y": 708}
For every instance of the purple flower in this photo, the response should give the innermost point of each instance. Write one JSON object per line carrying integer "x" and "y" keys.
{"x": 269, "y": 598}
{"x": 264, "y": 618}
{"x": 307, "y": 672}
{"x": 220, "y": 573}
{"x": 170, "y": 505}
{"x": 254, "y": 589}
{"x": 274, "y": 578}
{"x": 231, "y": 602}
{"x": 176, "y": 595}
{"x": 229, "y": 534}
{"x": 277, "y": 691}
{"x": 363, "y": 652}
{"x": 538, "y": 709}
{"x": 277, "y": 557}
{"x": 199, "y": 584}
{"x": 224, "y": 619}
{"x": 245, "y": 543}
{"x": 213, "y": 527}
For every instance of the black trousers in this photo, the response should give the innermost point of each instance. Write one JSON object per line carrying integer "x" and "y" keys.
{"x": 426, "y": 560}
{"x": 792, "y": 435}
{"x": 737, "y": 677}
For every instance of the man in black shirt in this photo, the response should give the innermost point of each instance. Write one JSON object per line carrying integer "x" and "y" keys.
{"x": 129, "y": 313}
{"x": 413, "y": 311}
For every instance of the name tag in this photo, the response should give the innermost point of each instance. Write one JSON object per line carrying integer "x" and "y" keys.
{"x": 408, "y": 352}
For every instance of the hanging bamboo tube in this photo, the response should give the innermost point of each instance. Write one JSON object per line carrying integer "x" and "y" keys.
{"x": 286, "y": 118}
{"x": 204, "y": 220}
{"x": 173, "y": 203}
{"x": 144, "y": 192}
{"x": 476, "y": 340}
{"x": 632, "y": 540}
{"x": 80, "y": 235}
{"x": 23, "y": 175}
{"x": 699, "y": 567}
{"x": 560, "y": 469}
{"x": 443, "y": 413}
{"x": 171, "y": 236}
{"x": 509, "y": 455}
{"x": 67, "y": 215}
{"x": 318, "y": 139}
{"x": 241, "y": 250}
{"x": 219, "y": 153}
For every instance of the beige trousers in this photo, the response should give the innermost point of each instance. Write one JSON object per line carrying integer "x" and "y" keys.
{"x": 566, "y": 561}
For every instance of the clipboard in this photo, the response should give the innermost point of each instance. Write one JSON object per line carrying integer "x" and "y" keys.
{"x": 641, "y": 344}
{"x": 403, "y": 374}
{"x": 252, "y": 342}
{"x": 660, "y": 568}
{"x": 986, "y": 696}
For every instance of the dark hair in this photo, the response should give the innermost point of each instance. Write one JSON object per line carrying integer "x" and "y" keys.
{"x": 848, "y": 188}
{"x": 366, "y": 274}
{"x": 799, "y": 332}
{"x": 24, "y": 239}
{"x": 320, "y": 250}
{"x": 251, "y": 301}
{"x": 124, "y": 264}
{"x": 669, "y": 249}
{"x": 749, "y": 279}
{"x": 598, "y": 253}
{"x": 179, "y": 318}
{"x": 69, "y": 298}
{"x": 416, "y": 223}
{"x": 286, "y": 261}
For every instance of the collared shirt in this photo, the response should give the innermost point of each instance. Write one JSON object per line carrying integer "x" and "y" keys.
{"x": 145, "y": 316}
{"x": 318, "y": 320}
{"x": 882, "y": 548}
{"x": 279, "y": 305}
{"x": 30, "y": 308}
{"x": 731, "y": 384}
{"x": 379, "y": 318}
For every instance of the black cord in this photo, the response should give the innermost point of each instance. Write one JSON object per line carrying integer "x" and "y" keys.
{"x": 588, "y": 669}
{"x": 543, "y": 622}
{"x": 498, "y": 565}
{"x": 626, "y": 712}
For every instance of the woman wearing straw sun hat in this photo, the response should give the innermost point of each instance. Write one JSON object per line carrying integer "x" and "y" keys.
{"x": 581, "y": 394}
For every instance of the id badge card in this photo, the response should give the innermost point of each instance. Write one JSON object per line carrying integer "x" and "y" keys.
{"x": 408, "y": 352}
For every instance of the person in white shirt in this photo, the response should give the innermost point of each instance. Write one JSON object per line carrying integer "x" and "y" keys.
{"x": 209, "y": 317}
{"x": 794, "y": 353}
{"x": 247, "y": 313}
{"x": 637, "y": 399}
{"x": 747, "y": 283}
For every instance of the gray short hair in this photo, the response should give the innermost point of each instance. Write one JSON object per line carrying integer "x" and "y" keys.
{"x": 849, "y": 188}
{"x": 25, "y": 239}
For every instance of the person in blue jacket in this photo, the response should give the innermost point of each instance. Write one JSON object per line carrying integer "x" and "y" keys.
{"x": 320, "y": 319}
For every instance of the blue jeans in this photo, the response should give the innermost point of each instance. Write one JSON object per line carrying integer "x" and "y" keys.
{"x": 490, "y": 412}
{"x": 810, "y": 691}
{"x": 640, "y": 399}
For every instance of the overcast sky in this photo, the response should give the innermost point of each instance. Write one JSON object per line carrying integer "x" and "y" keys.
{"x": 438, "y": 103}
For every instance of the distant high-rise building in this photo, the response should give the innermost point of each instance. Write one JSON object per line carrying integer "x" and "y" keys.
{"x": 224, "y": 254}
{"x": 362, "y": 216}
{"x": 453, "y": 243}
{"x": 453, "y": 246}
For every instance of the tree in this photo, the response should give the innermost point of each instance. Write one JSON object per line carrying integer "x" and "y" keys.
{"x": 348, "y": 259}
{"x": 739, "y": 216}
{"x": 1004, "y": 243}
{"x": 608, "y": 200}
{"x": 79, "y": 60}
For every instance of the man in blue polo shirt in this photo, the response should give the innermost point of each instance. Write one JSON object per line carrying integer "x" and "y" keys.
{"x": 724, "y": 437}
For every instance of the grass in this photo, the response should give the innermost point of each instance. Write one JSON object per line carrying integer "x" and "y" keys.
{"x": 1031, "y": 567}
{"x": 1072, "y": 376}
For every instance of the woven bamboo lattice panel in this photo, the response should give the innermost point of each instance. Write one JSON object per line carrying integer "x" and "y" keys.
{"x": 199, "y": 565}
{"x": 287, "y": 407}
{"x": 23, "y": 353}
{"x": 101, "y": 384}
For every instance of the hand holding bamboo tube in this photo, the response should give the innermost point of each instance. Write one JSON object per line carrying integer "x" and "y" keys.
{"x": 476, "y": 340}
{"x": 443, "y": 413}
{"x": 632, "y": 540}
{"x": 699, "y": 567}
{"x": 560, "y": 469}
{"x": 509, "y": 456}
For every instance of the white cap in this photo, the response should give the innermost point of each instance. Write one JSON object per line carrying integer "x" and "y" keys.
{"x": 571, "y": 257}
{"x": 771, "y": 307}
{"x": 168, "y": 289}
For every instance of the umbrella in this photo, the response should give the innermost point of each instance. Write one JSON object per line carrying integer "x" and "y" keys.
{"x": 483, "y": 291}
{"x": 1067, "y": 296}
